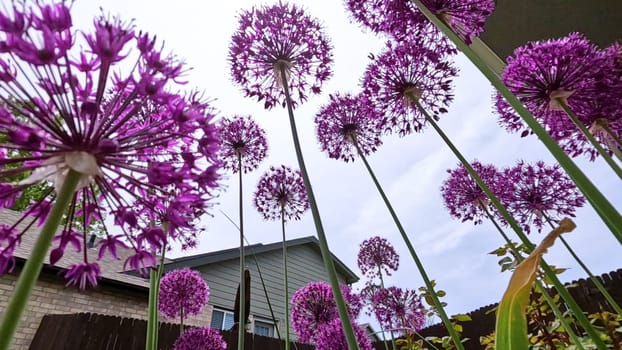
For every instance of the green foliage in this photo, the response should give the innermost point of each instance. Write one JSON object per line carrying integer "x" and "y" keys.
{"x": 432, "y": 309}
{"x": 511, "y": 326}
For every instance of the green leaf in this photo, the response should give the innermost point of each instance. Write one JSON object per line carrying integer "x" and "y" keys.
{"x": 511, "y": 328}
{"x": 499, "y": 252}
{"x": 462, "y": 317}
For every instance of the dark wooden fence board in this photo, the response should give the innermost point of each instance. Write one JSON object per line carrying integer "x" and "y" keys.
{"x": 103, "y": 332}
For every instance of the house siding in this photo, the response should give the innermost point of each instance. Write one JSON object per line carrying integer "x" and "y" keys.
{"x": 304, "y": 265}
{"x": 51, "y": 296}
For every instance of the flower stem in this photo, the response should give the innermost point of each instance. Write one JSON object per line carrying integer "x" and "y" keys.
{"x": 573, "y": 117}
{"x": 156, "y": 325}
{"x": 610, "y": 216}
{"x": 30, "y": 273}
{"x": 152, "y": 318}
{"x": 539, "y": 287}
{"x": 384, "y": 338}
{"x": 181, "y": 321}
{"x": 326, "y": 255}
{"x": 263, "y": 284}
{"x": 563, "y": 292}
{"x": 287, "y": 345}
{"x": 614, "y": 142}
{"x": 594, "y": 279}
{"x": 242, "y": 319}
{"x": 441, "y": 311}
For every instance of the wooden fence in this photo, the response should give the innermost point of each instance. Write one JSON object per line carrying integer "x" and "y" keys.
{"x": 101, "y": 332}
{"x": 483, "y": 319}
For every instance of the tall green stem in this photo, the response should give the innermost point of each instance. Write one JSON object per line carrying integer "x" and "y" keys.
{"x": 326, "y": 255}
{"x": 181, "y": 321}
{"x": 610, "y": 216}
{"x": 441, "y": 311}
{"x": 242, "y": 319}
{"x": 384, "y": 338}
{"x": 30, "y": 273}
{"x": 286, "y": 284}
{"x": 151, "y": 317}
{"x": 263, "y": 284}
{"x": 588, "y": 135}
{"x": 156, "y": 324}
{"x": 594, "y": 279}
{"x": 614, "y": 142}
{"x": 563, "y": 292}
{"x": 539, "y": 287}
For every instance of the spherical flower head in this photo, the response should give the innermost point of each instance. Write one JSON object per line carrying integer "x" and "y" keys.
{"x": 332, "y": 337}
{"x": 281, "y": 194}
{"x": 347, "y": 119}
{"x": 404, "y": 75}
{"x": 397, "y": 308}
{"x": 184, "y": 291}
{"x": 463, "y": 197}
{"x": 273, "y": 38}
{"x": 200, "y": 338}
{"x": 540, "y": 192}
{"x": 241, "y": 138}
{"x": 606, "y": 121}
{"x": 314, "y": 305}
{"x": 571, "y": 69}
{"x": 131, "y": 140}
{"x": 465, "y": 17}
{"x": 401, "y": 21}
{"x": 376, "y": 255}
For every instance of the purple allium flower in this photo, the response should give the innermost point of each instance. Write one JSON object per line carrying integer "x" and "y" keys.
{"x": 344, "y": 120}
{"x": 606, "y": 121}
{"x": 465, "y": 17}
{"x": 9, "y": 239}
{"x": 570, "y": 68}
{"x": 541, "y": 191}
{"x": 403, "y": 75}
{"x": 200, "y": 339}
{"x": 281, "y": 191}
{"x": 465, "y": 200}
{"x": 376, "y": 255}
{"x": 403, "y": 20}
{"x": 331, "y": 337}
{"x": 314, "y": 305}
{"x": 242, "y": 137}
{"x": 182, "y": 292}
{"x": 278, "y": 36}
{"x": 397, "y": 308}
{"x": 82, "y": 273}
{"x": 68, "y": 102}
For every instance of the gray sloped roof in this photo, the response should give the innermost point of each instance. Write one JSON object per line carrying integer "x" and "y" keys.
{"x": 254, "y": 249}
{"x": 112, "y": 269}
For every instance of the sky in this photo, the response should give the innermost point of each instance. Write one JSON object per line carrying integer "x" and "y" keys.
{"x": 411, "y": 169}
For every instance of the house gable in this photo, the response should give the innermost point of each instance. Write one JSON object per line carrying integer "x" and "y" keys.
{"x": 221, "y": 271}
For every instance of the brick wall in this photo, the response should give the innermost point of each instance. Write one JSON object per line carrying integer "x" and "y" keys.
{"x": 51, "y": 296}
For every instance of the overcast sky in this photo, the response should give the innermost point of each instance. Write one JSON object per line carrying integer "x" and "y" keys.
{"x": 411, "y": 169}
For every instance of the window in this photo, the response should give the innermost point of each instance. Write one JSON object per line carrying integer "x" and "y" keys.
{"x": 264, "y": 328}
{"x": 222, "y": 319}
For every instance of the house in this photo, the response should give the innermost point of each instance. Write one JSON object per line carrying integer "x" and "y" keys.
{"x": 117, "y": 293}
{"x": 514, "y": 23}
{"x": 125, "y": 294}
{"x": 221, "y": 271}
